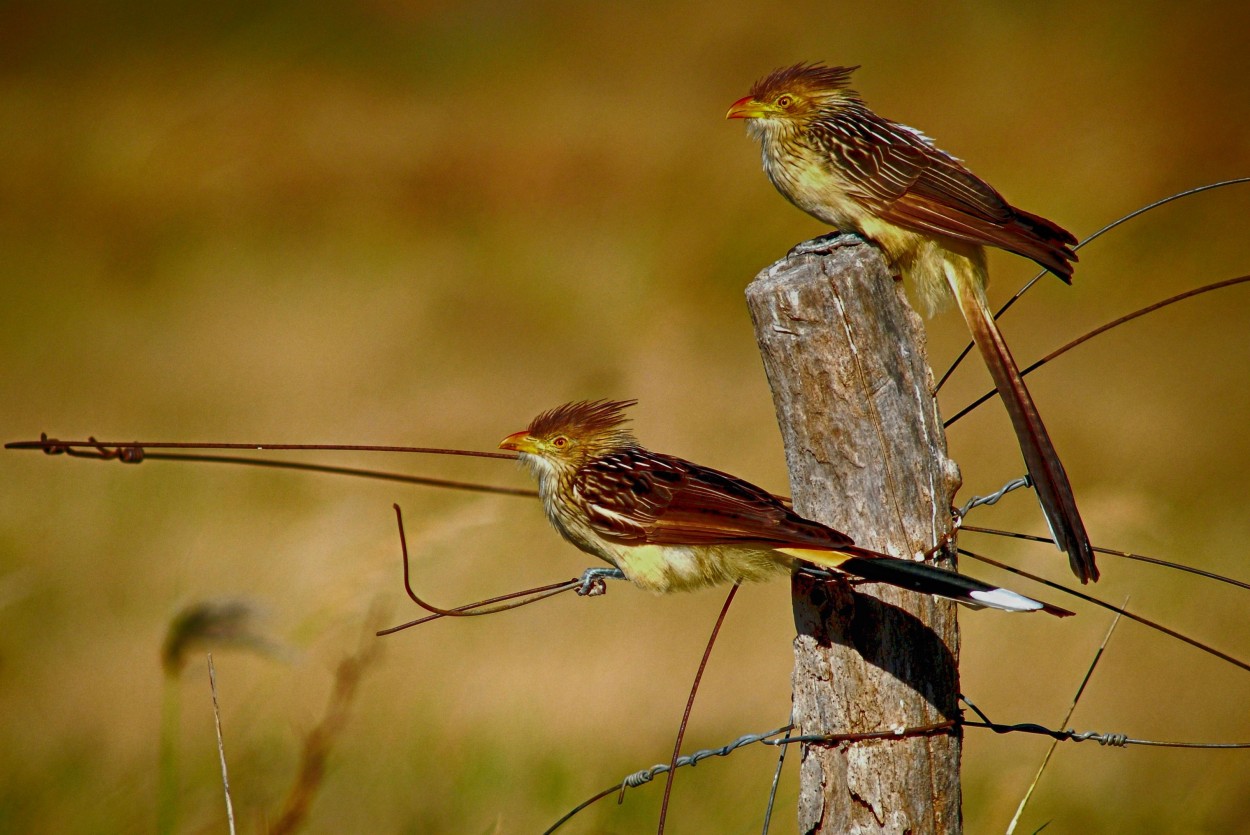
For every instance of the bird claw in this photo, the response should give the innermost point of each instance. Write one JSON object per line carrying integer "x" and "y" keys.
{"x": 594, "y": 581}
{"x": 824, "y": 244}
{"x": 593, "y": 587}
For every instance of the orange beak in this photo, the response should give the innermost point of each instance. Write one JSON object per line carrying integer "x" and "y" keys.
{"x": 518, "y": 442}
{"x": 744, "y": 108}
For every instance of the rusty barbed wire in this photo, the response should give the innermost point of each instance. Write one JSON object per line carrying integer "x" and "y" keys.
{"x": 646, "y": 775}
{"x": 1112, "y": 740}
{"x": 123, "y": 450}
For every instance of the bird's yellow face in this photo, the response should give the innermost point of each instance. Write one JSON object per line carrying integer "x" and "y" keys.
{"x": 784, "y": 104}
{"x": 568, "y": 436}
{"x": 792, "y": 97}
{"x": 556, "y": 446}
{"x": 546, "y": 454}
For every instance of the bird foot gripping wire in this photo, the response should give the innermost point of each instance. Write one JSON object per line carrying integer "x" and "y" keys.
{"x": 825, "y": 244}
{"x": 594, "y": 581}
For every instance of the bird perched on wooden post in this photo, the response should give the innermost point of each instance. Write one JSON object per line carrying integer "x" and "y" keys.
{"x": 835, "y": 159}
{"x": 666, "y": 524}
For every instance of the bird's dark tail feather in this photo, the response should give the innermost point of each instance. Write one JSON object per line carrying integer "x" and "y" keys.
{"x": 924, "y": 578}
{"x": 1050, "y": 480}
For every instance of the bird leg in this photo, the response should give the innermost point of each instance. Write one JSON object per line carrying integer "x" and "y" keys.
{"x": 593, "y": 579}
{"x": 825, "y": 244}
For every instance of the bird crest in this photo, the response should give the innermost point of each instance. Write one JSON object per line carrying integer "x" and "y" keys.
{"x": 805, "y": 79}
{"x": 600, "y": 420}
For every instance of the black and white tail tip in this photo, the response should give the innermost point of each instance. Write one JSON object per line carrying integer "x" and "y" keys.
{"x": 1005, "y": 599}
{"x": 929, "y": 579}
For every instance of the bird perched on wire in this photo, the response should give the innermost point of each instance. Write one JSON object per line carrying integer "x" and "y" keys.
{"x": 835, "y": 159}
{"x": 666, "y": 524}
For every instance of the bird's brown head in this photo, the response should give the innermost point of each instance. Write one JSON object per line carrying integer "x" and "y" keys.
{"x": 793, "y": 96}
{"x": 568, "y": 436}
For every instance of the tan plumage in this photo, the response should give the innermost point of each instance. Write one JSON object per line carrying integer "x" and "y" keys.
{"x": 835, "y": 159}
{"x": 671, "y": 525}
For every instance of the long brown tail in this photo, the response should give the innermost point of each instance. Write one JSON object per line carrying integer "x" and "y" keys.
{"x": 1049, "y": 478}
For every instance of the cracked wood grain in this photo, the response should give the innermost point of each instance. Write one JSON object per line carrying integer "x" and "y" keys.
{"x": 845, "y": 358}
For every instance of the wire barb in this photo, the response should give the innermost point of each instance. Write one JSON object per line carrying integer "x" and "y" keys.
{"x": 91, "y": 448}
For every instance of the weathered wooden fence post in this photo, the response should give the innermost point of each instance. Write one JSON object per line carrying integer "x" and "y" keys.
{"x": 866, "y": 452}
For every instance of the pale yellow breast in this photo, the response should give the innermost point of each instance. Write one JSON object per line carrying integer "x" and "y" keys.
{"x": 808, "y": 181}
{"x": 665, "y": 568}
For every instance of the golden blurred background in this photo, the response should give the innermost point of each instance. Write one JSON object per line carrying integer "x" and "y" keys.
{"x": 421, "y": 224}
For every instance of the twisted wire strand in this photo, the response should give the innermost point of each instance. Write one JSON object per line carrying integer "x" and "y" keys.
{"x": 641, "y": 778}
{"x": 1108, "y": 740}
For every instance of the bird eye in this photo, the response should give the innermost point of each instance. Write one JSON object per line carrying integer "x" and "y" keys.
{"x": 559, "y": 442}
{"x": 785, "y": 100}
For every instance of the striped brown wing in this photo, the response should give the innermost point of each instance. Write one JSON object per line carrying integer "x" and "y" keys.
{"x": 637, "y": 497}
{"x": 903, "y": 178}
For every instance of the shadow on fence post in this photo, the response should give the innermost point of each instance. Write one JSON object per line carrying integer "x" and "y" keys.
{"x": 866, "y": 452}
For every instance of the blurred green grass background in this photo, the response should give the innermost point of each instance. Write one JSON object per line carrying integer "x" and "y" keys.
{"x": 422, "y": 223}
